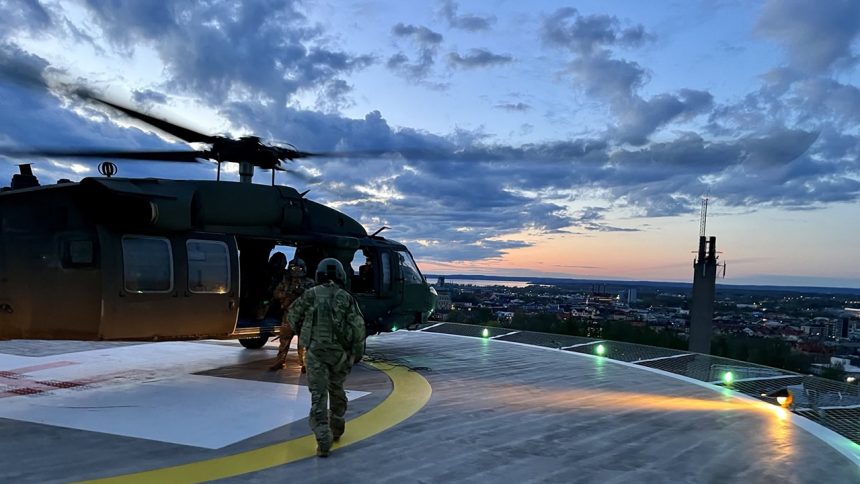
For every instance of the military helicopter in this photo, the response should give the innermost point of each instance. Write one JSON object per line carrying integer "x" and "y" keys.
{"x": 111, "y": 258}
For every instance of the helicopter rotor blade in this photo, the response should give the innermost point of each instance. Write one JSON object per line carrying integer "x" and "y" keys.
{"x": 305, "y": 177}
{"x": 391, "y": 153}
{"x": 175, "y": 156}
{"x": 295, "y": 154}
{"x": 180, "y": 132}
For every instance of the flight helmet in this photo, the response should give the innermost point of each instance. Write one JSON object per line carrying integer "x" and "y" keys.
{"x": 331, "y": 269}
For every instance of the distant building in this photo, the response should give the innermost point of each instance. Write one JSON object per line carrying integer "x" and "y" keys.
{"x": 830, "y": 329}
{"x": 504, "y": 315}
{"x": 813, "y": 330}
{"x": 632, "y": 295}
{"x": 443, "y": 302}
{"x": 846, "y": 326}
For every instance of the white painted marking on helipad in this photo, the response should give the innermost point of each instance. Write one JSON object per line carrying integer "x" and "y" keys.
{"x": 149, "y": 391}
{"x": 503, "y": 335}
{"x": 138, "y": 363}
{"x": 196, "y": 410}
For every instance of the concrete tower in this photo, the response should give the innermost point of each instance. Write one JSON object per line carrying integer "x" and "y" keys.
{"x": 704, "y": 287}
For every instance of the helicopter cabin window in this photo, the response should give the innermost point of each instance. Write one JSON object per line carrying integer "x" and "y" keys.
{"x": 408, "y": 270}
{"x": 363, "y": 275}
{"x": 147, "y": 264}
{"x": 208, "y": 266}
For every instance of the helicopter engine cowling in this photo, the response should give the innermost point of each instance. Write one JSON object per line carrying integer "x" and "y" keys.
{"x": 239, "y": 204}
{"x": 139, "y": 203}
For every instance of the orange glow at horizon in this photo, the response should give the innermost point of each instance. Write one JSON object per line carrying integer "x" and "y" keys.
{"x": 581, "y": 256}
{"x": 756, "y": 247}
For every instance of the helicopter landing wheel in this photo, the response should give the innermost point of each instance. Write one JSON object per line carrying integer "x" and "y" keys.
{"x": 254, "y": 343}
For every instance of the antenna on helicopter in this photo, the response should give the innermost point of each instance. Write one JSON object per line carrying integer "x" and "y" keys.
{"x": 107, "y": 169}
{"x": 380, "y": 230}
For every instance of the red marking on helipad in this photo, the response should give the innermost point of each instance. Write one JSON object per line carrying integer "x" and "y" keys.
{"x": 23, "y": 385}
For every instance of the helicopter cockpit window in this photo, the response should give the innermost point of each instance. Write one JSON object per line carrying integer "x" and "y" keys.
{"x": 386, "y": 271}
{"x": 147, "y": 264}
{"x": 208, "y": 266}
{"x": 408, "y": 269}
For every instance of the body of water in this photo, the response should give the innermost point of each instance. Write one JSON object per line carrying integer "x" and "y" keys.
{"x": 483, "y": 283}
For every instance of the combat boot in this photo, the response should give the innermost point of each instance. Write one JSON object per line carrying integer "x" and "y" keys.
{"x": 322, "y": 453}
{"x": 337, "y": 425}
{"x": 279, "y": 365}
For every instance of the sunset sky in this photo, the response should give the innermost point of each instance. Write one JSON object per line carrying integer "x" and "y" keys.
{"x": 571, "y": 139}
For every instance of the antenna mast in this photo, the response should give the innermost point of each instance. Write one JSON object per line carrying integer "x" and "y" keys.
{"x": 704, "y": 220}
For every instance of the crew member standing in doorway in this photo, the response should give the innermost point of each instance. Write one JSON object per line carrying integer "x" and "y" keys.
{"x": 294, "y": 283}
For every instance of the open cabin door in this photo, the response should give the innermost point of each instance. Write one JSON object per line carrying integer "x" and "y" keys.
{"x": 169, "y": 287}
{"x": 371, "y": 282}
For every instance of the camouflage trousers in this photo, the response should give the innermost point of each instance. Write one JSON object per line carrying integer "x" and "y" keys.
{"x": 285, "y": 338}
{"x": 327, "y": 371}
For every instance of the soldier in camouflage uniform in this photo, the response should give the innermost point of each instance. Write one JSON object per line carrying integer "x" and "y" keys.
{"x": 293, "y": 284}
{"x": 333, "y": 333}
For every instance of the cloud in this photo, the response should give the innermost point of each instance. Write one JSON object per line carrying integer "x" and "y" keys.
{"x": 610, "y": 79}
{"x": 219, "y": 49}
{"x": 427, "y": 43}
{"x": 478, "y": 58}
{"x": 24, "y": 16}
{"x": 817, "y": 35}
{"x": 789, "y": 97}
{"x": 147, "y": 96}
{"x": 587, "y": 35}
{"x": 591, "y": 219}
{"x": 617, "y": 81}
{"x": 436, "y": 185}
{"x": 778, "y": 168}
{"x": 640, "y": 118}
{"x": 420, "y": 34}
{"x": 520, "y": 107}
{"x": 31, "y": 116}
{"x": 471, "y": 23}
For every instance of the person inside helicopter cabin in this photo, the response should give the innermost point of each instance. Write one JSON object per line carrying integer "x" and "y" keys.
{"x": 275, "y": 271}
{"x": 332, "y": 330}
{"x": 365, "y": 273}
{"x": 293, "y": 284}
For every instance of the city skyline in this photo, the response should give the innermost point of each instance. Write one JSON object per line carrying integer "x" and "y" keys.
{"x": 558, "y": 139}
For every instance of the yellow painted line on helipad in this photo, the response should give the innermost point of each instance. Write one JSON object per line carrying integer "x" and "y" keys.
{"x": 410, "y": 393}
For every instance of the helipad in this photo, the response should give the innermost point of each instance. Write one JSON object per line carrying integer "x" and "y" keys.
{"x": 475, "y": 410}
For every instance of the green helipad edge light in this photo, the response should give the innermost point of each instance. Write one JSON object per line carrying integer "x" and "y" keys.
{"x": 485, "y": 332}
{"x": 600, "y": 350}
{"x": 728, "y": 377}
